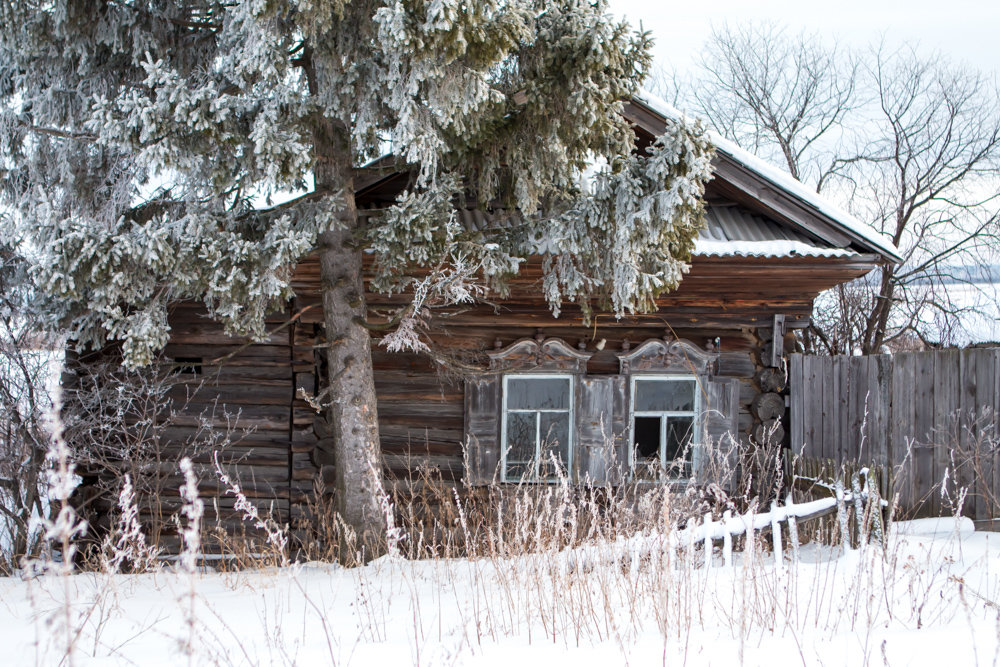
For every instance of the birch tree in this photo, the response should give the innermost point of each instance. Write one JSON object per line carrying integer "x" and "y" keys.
{"x": 146, "y": 141}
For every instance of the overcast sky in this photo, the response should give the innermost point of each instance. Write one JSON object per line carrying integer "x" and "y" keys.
{"x": 963, "y": 30}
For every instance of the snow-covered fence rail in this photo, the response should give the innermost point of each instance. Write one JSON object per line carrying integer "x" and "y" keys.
{"x": 706, "y": 532}
{"x": 923, "y": 417}
{"x": 709, "y": 531}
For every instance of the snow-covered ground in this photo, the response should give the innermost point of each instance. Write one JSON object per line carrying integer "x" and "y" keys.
{"x": 931, "y": 598}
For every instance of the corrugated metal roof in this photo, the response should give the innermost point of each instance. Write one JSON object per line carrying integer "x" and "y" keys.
{"x": 730, "y": 231}
{"x": 870, "y": 240}
{"x": 733, "y": 230}
{"x": 477, "y": 220}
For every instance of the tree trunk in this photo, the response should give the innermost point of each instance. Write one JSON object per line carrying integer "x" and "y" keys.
{"x": 352, "y": 413}
{"x": 878, "y": 321}
{"x": 352, "y": 403}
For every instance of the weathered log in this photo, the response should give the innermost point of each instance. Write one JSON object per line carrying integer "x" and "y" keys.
{"x": 768, "y": 406}
{"x": 329, "y": 476}
{"x": 769, "y": 432}
{"x": 321, "y": 427}
{"x": 771, "y": 380}
{"x": 323, "y": 453}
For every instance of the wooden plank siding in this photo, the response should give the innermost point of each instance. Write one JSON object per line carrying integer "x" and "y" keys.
{"x": 928, "y": 417}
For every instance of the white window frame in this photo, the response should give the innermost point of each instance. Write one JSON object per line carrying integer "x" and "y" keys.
{"x": 696, "y": 422}
{"x": 503, "y": 426}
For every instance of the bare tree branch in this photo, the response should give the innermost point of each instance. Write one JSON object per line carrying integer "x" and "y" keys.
{"x": 910, "y": 143}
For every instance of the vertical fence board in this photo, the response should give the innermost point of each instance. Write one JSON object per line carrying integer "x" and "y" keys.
{"x": 986, "y": 398}
{"x": 994, "y": 420}
{"x": 903, "y": 422}
{"x": 966, "y": 423}
{"x": 831, "y": 390}
{"x": 796, "y": 432}
{"x": 815, "y": 424}
{"x": 811, "y": 416}
{"x": 840, "y": 393}
{"x": 942, "y": 403}
{"x": 860, "y": 378}
{"x": 947, "y": 369}
{"x": 923, "y": 424}
{"x": 882, "y": 441}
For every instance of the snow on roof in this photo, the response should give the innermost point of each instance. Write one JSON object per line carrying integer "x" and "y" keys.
{"x": 712, "y": 248}
{"x": 735, "y": 231}
{"x": 782, "y": 180}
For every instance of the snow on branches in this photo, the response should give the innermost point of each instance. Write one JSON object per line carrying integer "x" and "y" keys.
{"x": 141, "y": 141}
{"x": 125, "y": 275}
{"x": 629, "y": 239}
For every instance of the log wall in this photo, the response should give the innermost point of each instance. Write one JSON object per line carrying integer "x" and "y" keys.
{"x": 280, "y": 446}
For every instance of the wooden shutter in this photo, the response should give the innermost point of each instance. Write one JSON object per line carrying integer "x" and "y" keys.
{"x": 600, "y": 429}
{"x": 721, "y": 424}
{"x": 482, "y": 427}
{"x": 621, "y": 472}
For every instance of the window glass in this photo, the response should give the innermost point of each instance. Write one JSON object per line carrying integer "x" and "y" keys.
{"x": 554, "y": 433}
{"x": 538, "y": 394}
{"x": 664, "y": 395}
{"x": 646, "y": 438}
{"x": 519, "y": 471}
{"x": 521, "y": 430}
{"x": 679, "y": 432}
{"x": 537, "y": 427}
{"x": 554, "y": 445}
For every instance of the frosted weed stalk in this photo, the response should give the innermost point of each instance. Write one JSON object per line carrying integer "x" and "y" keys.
{"x": 60, "y": 532}
{"x": 275, "y": 535}
{"x": 394, "y": 534}
{"x": 128, "y": 542}
{"x": 193, "y": 509}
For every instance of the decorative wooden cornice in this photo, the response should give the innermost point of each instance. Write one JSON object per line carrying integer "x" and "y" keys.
{"x": 667, "y": 356}
{"x": 539, "y": 354}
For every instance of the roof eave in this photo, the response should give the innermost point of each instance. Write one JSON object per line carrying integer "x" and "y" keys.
{"x": 745, "y": 172}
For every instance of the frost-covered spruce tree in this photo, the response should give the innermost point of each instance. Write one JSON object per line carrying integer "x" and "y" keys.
{"x": 145, "y": 140}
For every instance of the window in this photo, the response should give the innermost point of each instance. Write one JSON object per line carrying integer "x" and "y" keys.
{"x": 537, "y": 427}
{"x": 664, "y": 426}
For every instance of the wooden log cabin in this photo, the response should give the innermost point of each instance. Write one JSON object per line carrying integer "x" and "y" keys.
{"x": 616, "y": 400}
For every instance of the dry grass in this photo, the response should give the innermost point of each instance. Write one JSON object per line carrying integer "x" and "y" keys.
{"x": 475, "y": 567}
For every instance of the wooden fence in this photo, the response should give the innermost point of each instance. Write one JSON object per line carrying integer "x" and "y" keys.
{"x": 928, "y": 418}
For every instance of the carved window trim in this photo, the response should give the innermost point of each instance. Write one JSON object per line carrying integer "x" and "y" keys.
{"x": 669, "y": 359}
{"x": 668, "y": 356}
{"x": 537, "y": 355}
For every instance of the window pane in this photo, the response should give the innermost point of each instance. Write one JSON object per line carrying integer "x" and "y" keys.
{"x": 538, "y": 393}
{"x": 664, "y": 395}
{"x": 555, "y": 434}
{"x": 555, "y": 443}
{"x": 520, "y": 436}
{"x": 679, "y": 438}
{"x": 519, "y": 471}
{"x": 646, "y": 438}
{"x": 646, "y": 441}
